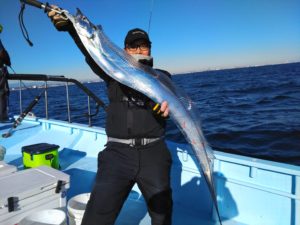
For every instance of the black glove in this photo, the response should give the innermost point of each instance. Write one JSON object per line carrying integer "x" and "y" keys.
{"x": 60, "y": 22}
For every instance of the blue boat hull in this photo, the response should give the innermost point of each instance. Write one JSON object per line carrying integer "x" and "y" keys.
{"x": 249, "y": 190}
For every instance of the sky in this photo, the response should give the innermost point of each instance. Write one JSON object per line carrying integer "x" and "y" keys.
{"x": 187, "y": 36}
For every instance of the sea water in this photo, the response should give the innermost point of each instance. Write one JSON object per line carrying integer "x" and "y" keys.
{"x": 252, "y": 111}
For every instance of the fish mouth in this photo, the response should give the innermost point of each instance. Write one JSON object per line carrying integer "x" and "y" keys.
{"x": 88, "y": 28}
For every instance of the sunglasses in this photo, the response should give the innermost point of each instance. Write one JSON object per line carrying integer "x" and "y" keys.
{"x": 142, "y": 46}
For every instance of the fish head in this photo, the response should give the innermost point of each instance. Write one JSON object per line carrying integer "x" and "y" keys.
{"x": 86, "y": 27}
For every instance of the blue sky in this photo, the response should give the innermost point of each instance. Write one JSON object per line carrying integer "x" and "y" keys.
{"x": 190, "y": 35}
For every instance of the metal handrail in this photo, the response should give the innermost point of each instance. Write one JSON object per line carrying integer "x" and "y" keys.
{"x": 46, "y": 78}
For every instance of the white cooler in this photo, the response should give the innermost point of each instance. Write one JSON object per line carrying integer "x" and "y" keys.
{"x": 6, "y": 169}
{"x": 30, "y": 190}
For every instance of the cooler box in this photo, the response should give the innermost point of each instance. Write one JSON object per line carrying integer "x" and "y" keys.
{"x": 40, "y": 154}
{"x": 27, "y": 191}
{"x": 6, "y": 169}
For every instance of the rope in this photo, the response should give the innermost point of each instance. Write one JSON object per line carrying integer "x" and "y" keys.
{"x": 22, "y": 25}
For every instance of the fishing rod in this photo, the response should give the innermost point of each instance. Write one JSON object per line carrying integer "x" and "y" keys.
{"x": 41, "y": 5}
{"x": 23, "y": 114}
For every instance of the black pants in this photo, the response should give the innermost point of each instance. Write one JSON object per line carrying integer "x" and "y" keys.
{"x": 119, "y": 168}
{"x": 3, "y": 106}
{"x": 4, "y": 92}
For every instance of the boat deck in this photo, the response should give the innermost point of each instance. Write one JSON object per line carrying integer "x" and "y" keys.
{"x": 244, "y": 185}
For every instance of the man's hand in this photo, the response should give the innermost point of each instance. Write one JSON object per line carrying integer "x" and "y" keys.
{"x": 59, "y": 21}
{"x": 162, "y": 109}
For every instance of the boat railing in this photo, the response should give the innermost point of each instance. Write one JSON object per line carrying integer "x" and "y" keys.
{"x": 46, "y": 78}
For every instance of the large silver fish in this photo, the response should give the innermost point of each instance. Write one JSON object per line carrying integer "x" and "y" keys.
{"x": 157, "y": 86}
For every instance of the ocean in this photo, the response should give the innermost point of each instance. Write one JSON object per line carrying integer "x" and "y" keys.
{"x": 252, "y": 111}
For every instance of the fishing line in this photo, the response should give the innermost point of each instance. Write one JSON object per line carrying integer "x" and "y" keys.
{"x": 12, "y": 69}
{"x": 23, "y": 84}
{"x": 150, "y": 17}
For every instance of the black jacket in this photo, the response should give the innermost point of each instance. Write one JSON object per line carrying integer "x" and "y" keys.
{"x": 129, "y": 113}
{"x": 4, "y": 56}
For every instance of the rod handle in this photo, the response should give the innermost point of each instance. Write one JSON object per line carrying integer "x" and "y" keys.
{"x": 33, "y": 3}
{"x": 41, "y": 5}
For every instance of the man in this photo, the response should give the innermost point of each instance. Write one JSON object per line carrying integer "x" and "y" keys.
{"x": 135, "y": 151}
{"x": 4, "y": 88}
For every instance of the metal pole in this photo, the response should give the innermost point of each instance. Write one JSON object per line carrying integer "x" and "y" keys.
{"x": 46, "y": 99}
{"x": 20, "y": 97}
{"x": 68, "y": 102}
{"x": 89, "y": 112}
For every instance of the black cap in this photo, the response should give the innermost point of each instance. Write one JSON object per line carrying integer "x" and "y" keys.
{"x": 136, "y": 34}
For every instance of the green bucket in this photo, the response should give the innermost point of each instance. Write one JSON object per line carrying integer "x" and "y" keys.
{"x": 42, "y": 154}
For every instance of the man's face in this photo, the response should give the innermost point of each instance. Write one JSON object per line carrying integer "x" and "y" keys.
{"x": 138, "y": 47}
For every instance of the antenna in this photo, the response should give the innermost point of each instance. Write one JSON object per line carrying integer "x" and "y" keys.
{"x": 150, "y": 17}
